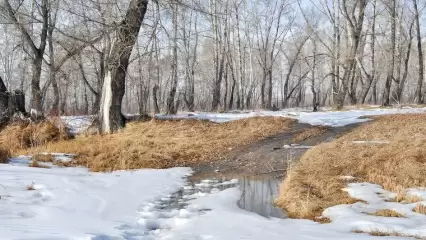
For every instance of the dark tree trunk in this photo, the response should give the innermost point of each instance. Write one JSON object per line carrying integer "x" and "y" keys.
{"x": 269, "y": 104}
{"x": 419, "y": 89}
{"x": 155, "y": 99}
{"x": 4, "y": 103}
{"x": 390, "y": 76}
{"x": 111, "y": 118}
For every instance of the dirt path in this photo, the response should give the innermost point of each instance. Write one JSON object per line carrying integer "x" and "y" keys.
{"x": 272, "y": 155}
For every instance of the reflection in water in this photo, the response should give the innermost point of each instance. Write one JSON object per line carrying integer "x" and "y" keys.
{"x": 257, "y": 195}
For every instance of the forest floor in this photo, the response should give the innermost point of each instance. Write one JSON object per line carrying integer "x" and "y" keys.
{"x": 363, "y": 180}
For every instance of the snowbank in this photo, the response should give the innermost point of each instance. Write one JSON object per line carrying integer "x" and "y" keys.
{"x": 327, "y": 118}
{"x": 72, "y": 203}
{"x": 226, "y": 221}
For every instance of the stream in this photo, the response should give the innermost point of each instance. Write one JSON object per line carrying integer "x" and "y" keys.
{"x": 257, "y": 194}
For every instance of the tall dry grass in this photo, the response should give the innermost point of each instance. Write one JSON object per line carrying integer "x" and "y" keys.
{"x": 315, "y": 183}
{"x": 163, "y": 144}
{"x": 18, "y": 136}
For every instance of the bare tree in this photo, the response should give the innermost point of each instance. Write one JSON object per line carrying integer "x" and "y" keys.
{"x": 111, "y": 117}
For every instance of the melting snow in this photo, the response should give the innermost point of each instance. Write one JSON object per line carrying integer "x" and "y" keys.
{"x": 327, "y": 118}
{"x": 72, "y": 203}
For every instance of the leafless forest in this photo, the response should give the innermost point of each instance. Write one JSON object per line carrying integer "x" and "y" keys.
{"x": 71, "y": 56}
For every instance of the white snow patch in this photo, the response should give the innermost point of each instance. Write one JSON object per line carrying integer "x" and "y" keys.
{"x": 327, "y": 118}
{"x": 227, "y": 221}
{"x": 72, "y": 203}
{"x": 77, "y": 124}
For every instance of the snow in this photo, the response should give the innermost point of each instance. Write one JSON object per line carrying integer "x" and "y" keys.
{"x": 326, "y": 118}
{"x": 227, "y": 221}
{"x": 77, "y": 124}
{"x": 72, "y": 203}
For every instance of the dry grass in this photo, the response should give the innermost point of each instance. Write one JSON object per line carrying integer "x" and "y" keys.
{"x": 4, "y": 155}
{"x": 309, "y": 133}
{"x": 35, "y": 164}
{"x": 387, "y": 213}
{"x": 388, "y": 233}
{"x": 43, "y": 158}
{"x": 401, "y": 197}
{"x": 314, "y": 183}
{"x": 322, "y": 220}
{"x": 18, "y": 136}
{"x": 163, "y": 144}
{"x": 420, "y": 208}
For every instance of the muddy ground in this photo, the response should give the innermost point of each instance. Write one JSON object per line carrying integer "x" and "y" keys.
{"x": 272, "y": 155}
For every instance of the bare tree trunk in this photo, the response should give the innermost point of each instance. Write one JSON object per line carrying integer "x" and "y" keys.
{"x": 171, "y": 109}
{"x": 111, "y": 118}
{"x": 390, "y": 75}
{"x": 370, "y": 76}
{"x": 420, "y": 81}
{"x": 4, "y": 103}
{"x": 355, "y": 30}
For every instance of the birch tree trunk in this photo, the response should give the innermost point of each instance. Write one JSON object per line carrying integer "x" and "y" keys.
{"x": 111, "y": 118}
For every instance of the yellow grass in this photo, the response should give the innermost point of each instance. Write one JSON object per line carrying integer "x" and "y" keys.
{"x": 309, "y": 133}
{"x": 314, "y": 183}
{"x": 388, "y": 233}
{"x": 420, "y": 208}
{"x": 387, "y": 213}
{"x": 401, "y": 197}
{"x": 16, "y": 137}
{"x": 163, "y": 144}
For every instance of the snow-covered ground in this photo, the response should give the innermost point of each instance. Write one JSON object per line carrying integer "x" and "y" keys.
{"x": 326, "y": 118}
{"x": 79, "y": 124}
{"x": 71, "y": 203}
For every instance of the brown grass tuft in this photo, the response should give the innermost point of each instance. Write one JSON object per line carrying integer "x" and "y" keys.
{"x": 164, "y": 144}
{"x": 4, "y": 155}
{"x": 314, "y": 184}
{"x": 420, "y": 208}
{"x": 322, "y": 220}
{"x": 43, "y": 158}
{"x": 30, "y": 187}
{"x": 309, "y": 133}
{"x": 388, "y": 233}
{"x": 401, "y": 197}
{"x": 20, "y": 136}
{"x": 35, "y": 164}
{"x": 387, "y": 213}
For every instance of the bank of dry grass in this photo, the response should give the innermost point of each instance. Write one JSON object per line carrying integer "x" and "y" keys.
{"x": 18, "y": 136}
{"x": 163, "y": 144}
{"x": 315, "y": 183}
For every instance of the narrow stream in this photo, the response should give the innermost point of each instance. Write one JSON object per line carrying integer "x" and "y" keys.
{"x": 257, "y": 194}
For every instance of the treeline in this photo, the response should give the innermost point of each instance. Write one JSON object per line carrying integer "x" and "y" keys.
{"x": 215, "y": 55}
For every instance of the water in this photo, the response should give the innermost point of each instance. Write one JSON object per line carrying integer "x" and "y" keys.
{"x": 257, "y": 195}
